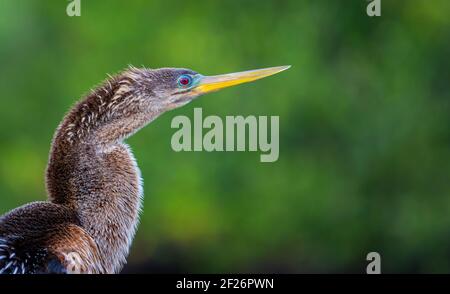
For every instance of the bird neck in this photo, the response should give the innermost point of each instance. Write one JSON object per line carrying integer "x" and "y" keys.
{"x": 92, "y": 171}
{"x": 109, "y": 114}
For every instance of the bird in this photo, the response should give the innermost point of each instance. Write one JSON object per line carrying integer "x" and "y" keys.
{"x": 94, "y": 186}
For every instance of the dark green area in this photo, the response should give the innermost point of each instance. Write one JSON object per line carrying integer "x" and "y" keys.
{"x": 364, "y": 127}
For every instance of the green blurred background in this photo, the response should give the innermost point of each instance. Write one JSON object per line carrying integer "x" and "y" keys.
{"x": 364, "y": 127}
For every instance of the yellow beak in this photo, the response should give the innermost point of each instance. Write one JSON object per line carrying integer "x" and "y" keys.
{"x": 209, "y": 84}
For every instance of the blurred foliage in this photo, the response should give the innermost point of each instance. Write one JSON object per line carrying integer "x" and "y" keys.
{"x": 364, "y": 127}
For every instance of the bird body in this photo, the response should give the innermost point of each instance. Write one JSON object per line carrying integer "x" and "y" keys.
{"x": 93, "y": 183}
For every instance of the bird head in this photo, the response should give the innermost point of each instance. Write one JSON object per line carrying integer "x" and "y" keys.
{"x": 169, "y": 88}
{"x": 130, "y": 100}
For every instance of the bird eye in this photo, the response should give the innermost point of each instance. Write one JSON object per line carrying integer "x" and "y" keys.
{"x": 184, "y": 81}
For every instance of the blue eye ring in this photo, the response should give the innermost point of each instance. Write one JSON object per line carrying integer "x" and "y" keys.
{"x": 185, "y": 81}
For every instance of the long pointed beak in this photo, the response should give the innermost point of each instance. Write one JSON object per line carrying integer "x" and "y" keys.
{"x": 209, "y": 84}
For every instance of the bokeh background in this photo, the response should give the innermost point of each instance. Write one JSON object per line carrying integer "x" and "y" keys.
{"x": 364, "y": 128}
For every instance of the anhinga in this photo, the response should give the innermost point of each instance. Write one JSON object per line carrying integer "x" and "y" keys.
{"x": 93, "y": 183}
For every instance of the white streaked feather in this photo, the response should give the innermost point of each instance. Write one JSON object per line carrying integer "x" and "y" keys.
{"x": 6, "y": 267}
